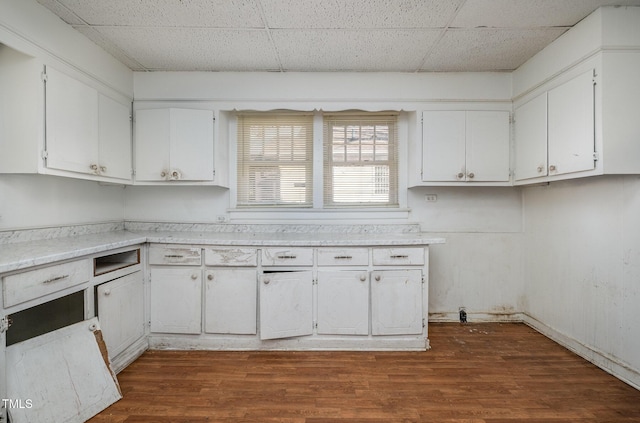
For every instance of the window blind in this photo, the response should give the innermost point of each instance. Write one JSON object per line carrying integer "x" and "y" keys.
{"x": 275, "y": 158}
{"x": 360, "y": 160}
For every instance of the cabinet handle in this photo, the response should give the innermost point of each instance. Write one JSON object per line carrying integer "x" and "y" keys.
{"x": 378, "y": 278}
{"x": 399, "y": 256}
{"x": 363, "y": 278}
{"x": 552, "y": 168}
{"x": 471, "y": 175}
{"x": 173, "y": 256}
{"x": 210, "y": 277}
{"x": 287, "y": 257}
{"x": 194, "y": 276}
{"x": 107, "y": 292}
{"x": 343, "y": 257}
{"x": 55, "y": 279}
{"x": 460, "y": 175}
{"x": 266, "y": 281}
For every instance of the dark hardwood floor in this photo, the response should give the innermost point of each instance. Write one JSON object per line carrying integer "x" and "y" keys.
{"x": 474, "y": 373}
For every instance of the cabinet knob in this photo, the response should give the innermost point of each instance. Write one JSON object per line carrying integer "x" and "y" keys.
{"x": 93, "y": 167}
{"x": 175, "y": 174}
{"x": 210, "y": 277}
{"x": 163, "y": 174}
{"x": 552, "y": 168}
{"x": 194, "y": 276}
{"x": 103, "y": 169}
{"x": 460, "y": 175}
{"x": 266, "y": 281}
{"x": 107, "y": 292}
{"x": 540, "y": 169}
{"x": 378, "y": 278}
{"x": 471, "y": 175}
{"x": 363, "y": 277}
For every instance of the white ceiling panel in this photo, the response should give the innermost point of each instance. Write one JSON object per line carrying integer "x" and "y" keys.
{"x": 355, "y": 50}
{"x": 169, "y": 13}
{"x": 324, "y": 35}
{"x": 182, "y": 49}
{"x": 487, "y": 49}
{"x": 340, "y": 14}
{"x": 526, "y": 13}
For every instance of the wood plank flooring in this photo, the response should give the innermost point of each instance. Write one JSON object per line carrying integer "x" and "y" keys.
{"x": 474, "y": 373}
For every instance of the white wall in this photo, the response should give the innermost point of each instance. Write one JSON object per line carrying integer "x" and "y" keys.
{"x": 582, "y": 265}
{"x": 33, "y": 201}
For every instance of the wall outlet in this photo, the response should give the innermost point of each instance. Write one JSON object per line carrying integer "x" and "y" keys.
{"x": 430, "y": 198}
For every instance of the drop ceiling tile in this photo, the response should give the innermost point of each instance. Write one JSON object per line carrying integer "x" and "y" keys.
{"x": 203, "y": 49}
{"x": 527, "y": 13}
{"x": 190, "y": 13}
{"x": 487, "y": 49}
{"x": 353, "y": 50}
{"x": 348, "y": 14}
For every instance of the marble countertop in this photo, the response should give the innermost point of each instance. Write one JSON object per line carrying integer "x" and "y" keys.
{"x": 21, "y": 255}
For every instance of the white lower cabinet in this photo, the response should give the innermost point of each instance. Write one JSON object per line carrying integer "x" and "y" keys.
{"x": 286, "y": 300}
{"x": 176, "y": 300}
{"x": 343, "y": 302}
{"x": 121, "y": 311}
{"x": 230, "y": 301}
{"x": 396, "y": 302}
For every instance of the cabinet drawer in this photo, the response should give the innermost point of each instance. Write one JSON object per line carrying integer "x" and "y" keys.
{"x": 32, "y": 284}
{"x": 398, "y": 256}
{"x": 343, "y": 257}
{"x": 227, "y": 256}
{"x": 287, "y": 256}
{"x": 175, "y": 255}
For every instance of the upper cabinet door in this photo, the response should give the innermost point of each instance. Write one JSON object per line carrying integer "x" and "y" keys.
{"x": 115, "y": 138}
{"x": 571, "y": 125}
{"x": 443, "y": 146}
{"x": 531, "y": 139}
{"x": 174, "y": 145}
{"x": 487, "y": 151}
{"x": 152, "y": 144}
{"x": 71, "y": 124}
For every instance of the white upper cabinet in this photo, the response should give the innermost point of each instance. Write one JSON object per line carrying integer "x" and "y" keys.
{"x": 61, "y": 122}
{"x": 174, "y": 145}
{"x": 465, "y": 146}
{"x": 86, "y": 131}
{"x": 555, "y": 132}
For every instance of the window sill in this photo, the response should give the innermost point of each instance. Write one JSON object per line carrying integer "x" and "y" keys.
{"x": 308, "y": 215}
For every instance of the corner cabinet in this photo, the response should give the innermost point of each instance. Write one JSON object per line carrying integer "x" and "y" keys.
{"x": 61, "y": 122}
{"x": 580, "y": 123}
{"x": 465, "y": 147}
{"x": 174, "y": 145}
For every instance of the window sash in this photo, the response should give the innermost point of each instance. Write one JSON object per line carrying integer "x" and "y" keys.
{"x": 360, "y": 160}
{"x": 275, "y": 159}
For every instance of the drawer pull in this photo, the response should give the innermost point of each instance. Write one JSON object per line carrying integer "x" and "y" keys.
{"x": 55, "y": 279}
{"x": 288, "y": 257}
{"x": 343, "y": 257}
{"x": 173, "y": 256}
{"x": 266, "y": 281}
{"x": 400, "y": 256}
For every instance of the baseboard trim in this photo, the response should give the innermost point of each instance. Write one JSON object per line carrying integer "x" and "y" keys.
{"x": 604, "y": 361}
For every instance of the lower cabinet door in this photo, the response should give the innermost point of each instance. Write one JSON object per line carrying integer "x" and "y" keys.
{"x": 286, "y": 304}
{"x": 176, "y": 300}
{"x": 396, "y": 302}
{"x": 231, "y": 301}
{"x": 121, "y": 312}
{"x": 343, "y": 302}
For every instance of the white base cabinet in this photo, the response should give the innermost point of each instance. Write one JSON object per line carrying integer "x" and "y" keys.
{"x": 396, "y": 302}
{"x": 230, "y": 301}
{"x": 286, "y": 304}
{"x": 343, "y": 302}
{"x": 176, "y": 300}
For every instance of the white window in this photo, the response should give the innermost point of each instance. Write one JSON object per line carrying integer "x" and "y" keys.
{"x": 275, "y": 158}
{"x": 360, "y": 160}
